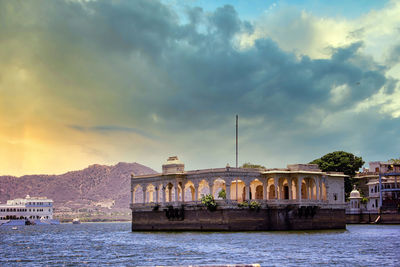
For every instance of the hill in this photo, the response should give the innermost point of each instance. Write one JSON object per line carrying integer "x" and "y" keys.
{"x": 96, "y": 188}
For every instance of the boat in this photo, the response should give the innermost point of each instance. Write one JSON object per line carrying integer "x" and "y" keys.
{"x": 76, "y": 221}
{"x": 27, "y": 211}
{"x": 14, "y": 228}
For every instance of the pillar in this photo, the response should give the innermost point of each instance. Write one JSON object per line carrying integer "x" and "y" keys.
{"x": 144, "y": 193}
{"x": 290, "y": 188}
{"x": 176, "y": 192}
{"x": 212, "y": 189}
{"x": 317, "y": 186}
{"x": 299, "y": 188}
{"x": 247, "y": 191}
{"x": 163, "y": 194}
{"x": 183, "y": 193}
{"x": 196, "y": 192}
{"x": 157, "y": 193}
{"x": 307, "y": 190}
{"x": 264, "y": 189}
{"x": 228, "y": 191}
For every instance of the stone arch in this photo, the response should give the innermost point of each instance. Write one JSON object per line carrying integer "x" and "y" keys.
{"x": 138, "y": 194}
{"x": 256, "y": 189}
{"x": 190, "y": 192}
{"x": 218, "y": 185}
{"x": 240, "y": 186}
{"x": 204, "y": 189}
{"x": 271, "y": 189}
{"x": 150, "y": 193}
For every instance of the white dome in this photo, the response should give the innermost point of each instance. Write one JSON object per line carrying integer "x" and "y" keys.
{"x": 355, "y": 193}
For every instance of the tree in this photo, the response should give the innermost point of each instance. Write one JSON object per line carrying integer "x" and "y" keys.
{"x": 395, "y": 161}
{"x": 341, "y": 161}
{"x": 252, "y": 166}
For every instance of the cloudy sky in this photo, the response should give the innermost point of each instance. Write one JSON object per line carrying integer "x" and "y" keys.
{"x": 84, "y": 82}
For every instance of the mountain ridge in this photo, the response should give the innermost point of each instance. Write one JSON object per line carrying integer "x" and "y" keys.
{"x": 94, "y": 187}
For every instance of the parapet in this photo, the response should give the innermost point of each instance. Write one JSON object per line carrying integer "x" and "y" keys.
{"x": 303, "y": 167}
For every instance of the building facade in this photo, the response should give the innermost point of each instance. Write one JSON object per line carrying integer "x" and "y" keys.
{"x": 28, "y": 208}
{"x": 295, "y": 186}
{"x": 379, "y": 184}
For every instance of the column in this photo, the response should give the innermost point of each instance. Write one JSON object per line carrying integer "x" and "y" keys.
{"x": 131, "y": 196}
{"x": 163, "y": 194}
{"x": 247, "y": 191}
{"x": 212, "y": 189}
{"x": 144, "y": 193}
{"x": 176, "y": 192}
{"x": 307, "y": 190}
{"x": 183, "y": 193}
{"x": 276, "y": 187}
{"x": 299, "y": 188}
{"x": 317, "y": 186}
{"x": 264, "y": 189}
{"x": 228, "y": 191}
{"x": 290, "y": 188}
{"x": 157, "y": 193}
{"x": 196, "y": 192}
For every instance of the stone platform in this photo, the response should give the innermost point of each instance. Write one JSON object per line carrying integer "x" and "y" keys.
{"x": 289, "y": 217}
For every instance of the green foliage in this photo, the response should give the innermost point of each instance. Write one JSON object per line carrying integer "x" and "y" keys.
{"x": 364, "y": 200}
{"x": 254, "y": 205}
{"x": 340, "y": 161}
{"x": 243, "y": 204}
{"x": 395, "y": 161}
{"x": 222, "y": 194}
{"x": 252, "y": 166}
{"x": 209, "y": 202}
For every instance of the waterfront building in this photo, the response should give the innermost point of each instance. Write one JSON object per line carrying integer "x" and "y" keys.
{"x": 299, "y": 189}
{"x": 27, "y": 209}
{"x": 379, "y": 184}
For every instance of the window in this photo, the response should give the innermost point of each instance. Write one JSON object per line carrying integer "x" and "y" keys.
{"x": 335, "y": 197}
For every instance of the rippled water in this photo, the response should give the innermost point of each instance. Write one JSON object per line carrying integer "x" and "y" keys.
{"x": 114, "y": 244}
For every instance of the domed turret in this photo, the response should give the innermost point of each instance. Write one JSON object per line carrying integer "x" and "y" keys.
{"x": 173, "y": 165}
{"x": 355, "y": 193}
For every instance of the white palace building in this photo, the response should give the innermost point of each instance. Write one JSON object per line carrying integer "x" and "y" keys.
{"x": 298, "y": 183}
{"x": 298, "y": 197}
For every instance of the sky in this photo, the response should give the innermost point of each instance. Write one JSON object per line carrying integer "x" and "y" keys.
{"x": 99, "y": 82}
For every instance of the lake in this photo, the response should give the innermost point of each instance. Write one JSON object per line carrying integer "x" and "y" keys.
{"x": 114, "y": 244}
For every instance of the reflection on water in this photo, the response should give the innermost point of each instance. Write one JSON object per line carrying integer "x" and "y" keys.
{"x": 113, "y": 243}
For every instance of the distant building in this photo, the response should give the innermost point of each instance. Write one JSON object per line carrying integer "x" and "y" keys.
{"x": 28, "y": 208}
{"x": 380, "y": 185}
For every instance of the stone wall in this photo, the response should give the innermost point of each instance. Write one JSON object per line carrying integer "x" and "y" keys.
{"x": 385, "y": 218}
{"x": 290, "y": 217}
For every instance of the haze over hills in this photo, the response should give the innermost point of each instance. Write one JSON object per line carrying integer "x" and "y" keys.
{"x": 96, "y": 187}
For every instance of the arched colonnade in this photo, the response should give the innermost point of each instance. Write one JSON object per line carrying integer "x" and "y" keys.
{"x": 236, "y": 189}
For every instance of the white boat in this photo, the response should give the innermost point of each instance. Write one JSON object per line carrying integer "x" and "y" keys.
{"x": 76, "y": 221}
{"x": 27, "y": 211}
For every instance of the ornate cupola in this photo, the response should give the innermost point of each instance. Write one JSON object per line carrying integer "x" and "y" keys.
{"x": 173, "y": 165}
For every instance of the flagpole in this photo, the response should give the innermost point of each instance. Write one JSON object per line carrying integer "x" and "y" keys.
{"x": 237, "y": 119}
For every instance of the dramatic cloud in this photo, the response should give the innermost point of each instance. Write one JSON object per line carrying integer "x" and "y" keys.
{"x": 107, "y": 81}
